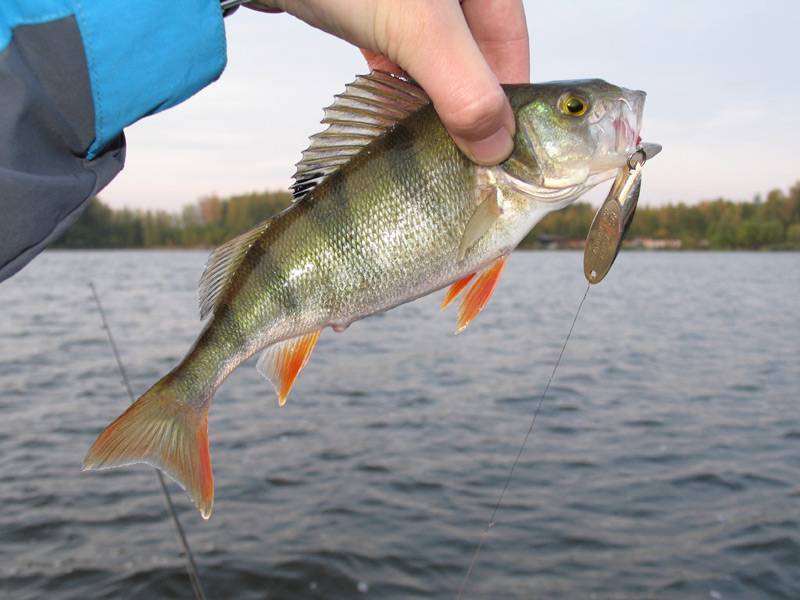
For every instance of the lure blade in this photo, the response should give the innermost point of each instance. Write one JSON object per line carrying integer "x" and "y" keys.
{"x": 615, "y": 216}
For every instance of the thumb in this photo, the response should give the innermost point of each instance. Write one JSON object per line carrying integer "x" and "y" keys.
{"x": 437, "y": 49}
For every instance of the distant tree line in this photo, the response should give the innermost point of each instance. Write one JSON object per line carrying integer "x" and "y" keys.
{"x": 770, "y": 223}
{"x": 209, "y": 222}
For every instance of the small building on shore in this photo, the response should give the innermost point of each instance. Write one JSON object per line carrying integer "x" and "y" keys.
{"x": 654, "y": 244}
{"x": 557, "y": 242}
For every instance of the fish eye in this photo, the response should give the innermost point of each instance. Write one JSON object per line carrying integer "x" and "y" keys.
{"x": 573, "y": 106}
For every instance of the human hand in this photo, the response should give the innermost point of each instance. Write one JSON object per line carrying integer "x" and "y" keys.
{"x": 457, "y": 52}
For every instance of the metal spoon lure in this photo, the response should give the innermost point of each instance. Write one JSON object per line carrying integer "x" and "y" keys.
{"x": 615, "y": 216}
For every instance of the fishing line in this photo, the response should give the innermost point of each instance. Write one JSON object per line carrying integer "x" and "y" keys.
{"x": 191, "y": 566}
{"x": 492, "y": 521}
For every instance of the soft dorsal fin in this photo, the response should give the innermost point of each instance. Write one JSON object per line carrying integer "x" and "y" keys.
{"x": 222, "y": 264}
{"x": 369, "y": 107}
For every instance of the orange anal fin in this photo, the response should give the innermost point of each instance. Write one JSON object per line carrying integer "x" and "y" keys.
{"x": 477, "y": 297}
{"x": 454, "y": 290}
{"x": 282, "y": 362}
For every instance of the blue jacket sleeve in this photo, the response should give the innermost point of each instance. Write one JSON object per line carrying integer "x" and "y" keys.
{"x": 73, "y": 75}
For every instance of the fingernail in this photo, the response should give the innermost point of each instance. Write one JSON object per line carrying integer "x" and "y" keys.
{"x": 490, "y": 150}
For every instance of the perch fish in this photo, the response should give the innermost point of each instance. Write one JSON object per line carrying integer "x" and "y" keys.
{"x": 386, "y": 209}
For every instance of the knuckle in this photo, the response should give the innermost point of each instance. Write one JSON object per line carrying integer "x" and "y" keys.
{"x": 478, "y": 117}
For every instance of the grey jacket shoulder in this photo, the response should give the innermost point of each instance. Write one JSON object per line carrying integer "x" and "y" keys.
{"x": 46, "y": 128}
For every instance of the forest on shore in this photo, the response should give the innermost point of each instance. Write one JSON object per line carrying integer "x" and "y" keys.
{"x": 769, "y": 223}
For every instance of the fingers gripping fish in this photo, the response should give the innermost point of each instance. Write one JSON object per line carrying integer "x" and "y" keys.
{"x": 386, "y": 210}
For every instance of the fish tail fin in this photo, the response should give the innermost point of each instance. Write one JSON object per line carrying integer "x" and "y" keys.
{"x": 162, "y": 431}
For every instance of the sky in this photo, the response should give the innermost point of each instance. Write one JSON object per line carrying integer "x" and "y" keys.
{"x": 723, "y": 99}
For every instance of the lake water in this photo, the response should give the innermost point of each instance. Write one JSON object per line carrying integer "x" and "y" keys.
{"x": 665, "y": 462}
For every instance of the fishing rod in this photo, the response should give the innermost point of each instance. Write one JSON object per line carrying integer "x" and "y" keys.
{"x": 603, "y": 243}
{"x": 191, "y": 566}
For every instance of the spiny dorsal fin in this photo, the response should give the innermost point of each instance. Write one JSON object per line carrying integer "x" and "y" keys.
{"x": 222, "y": 264}
{"x": 369, "y": 107}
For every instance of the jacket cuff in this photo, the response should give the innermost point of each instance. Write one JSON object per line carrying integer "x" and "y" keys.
{"x": 147, "y": 55}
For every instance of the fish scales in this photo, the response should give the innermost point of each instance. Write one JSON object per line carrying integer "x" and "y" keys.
{"x": 355, "y": 244}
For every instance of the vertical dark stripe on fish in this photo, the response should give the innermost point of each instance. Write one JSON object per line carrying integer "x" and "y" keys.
{"x": 416, "y": 157}
{"x": 360, "y": 196}
{"x": 262, "y": 260}
{"x": 329, "y": 199}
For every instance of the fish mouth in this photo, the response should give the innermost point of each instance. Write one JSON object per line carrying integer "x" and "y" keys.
{"x": 628, "y": 122}
{"x": 620, "y": 131}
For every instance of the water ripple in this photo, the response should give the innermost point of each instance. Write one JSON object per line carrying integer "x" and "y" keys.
{"x": 664, "y": 462}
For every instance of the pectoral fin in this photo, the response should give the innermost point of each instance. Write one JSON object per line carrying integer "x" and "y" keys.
{"x": 485, "y": 215}
{"x": 282, "y": 362}
{"x": 477, "y": 297}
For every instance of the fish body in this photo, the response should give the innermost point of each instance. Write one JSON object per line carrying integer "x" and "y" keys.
{"x": 387, "y": 210}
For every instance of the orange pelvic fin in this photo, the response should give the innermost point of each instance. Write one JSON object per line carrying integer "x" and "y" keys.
{"x": 166, "y": 434}
{"x": 477, "y": 297}
{"x": 281, "y": 362}
{"x": 454, "y": 290}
